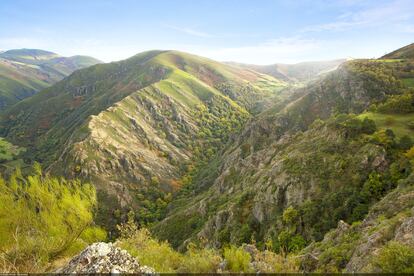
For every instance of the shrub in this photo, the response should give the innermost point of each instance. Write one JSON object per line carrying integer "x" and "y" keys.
{"x": 410, "y": 153}
{"x": 41, "y": 218}
{"x": 353, "y": 125}
{"x": 148, "y": 250}
{"x": 270, "y": 262}
{"x": 290, "y": 215}
{"x": 238, "y": 260}
{"x": 405, "y": 142}
{"x": 403, "y": 103}
{"x": 161, "y": 256}
{"x": 289, "y": 242}
{"x": 200, "y": 260}
{"x": 384, "y": 137}
{"x": 395, "y": 258}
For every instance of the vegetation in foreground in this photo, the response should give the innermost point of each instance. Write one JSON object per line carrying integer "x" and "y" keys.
{"x": 199, "y": 259}
{"x": 43, "y": 218}
{"x": 355, "y": 169}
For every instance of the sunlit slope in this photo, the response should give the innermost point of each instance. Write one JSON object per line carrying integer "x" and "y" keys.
{"x": 307, "y": 154}
{"x": 138, "y": 123}
{"x": 26, "y": 71}
{"x": 406, "y": 52}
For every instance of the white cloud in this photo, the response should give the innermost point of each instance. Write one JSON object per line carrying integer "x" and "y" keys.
{"x": 188, "y": 31}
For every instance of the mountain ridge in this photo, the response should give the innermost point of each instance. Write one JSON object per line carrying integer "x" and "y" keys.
{"x": 24, "y": 72}
{"x": 222, "y": 161}
{"x": 136, "y": 126}
{"x": 301, "y": 72}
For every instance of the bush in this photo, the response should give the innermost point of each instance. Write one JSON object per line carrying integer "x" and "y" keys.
{"x": 403, "y": 103}
{"x": 161, "y": 256}
{"x": 41, "y": 218}
{"x": 270, "y": 262}
{"x": 410, "y": 153}
{"x": 238, "y": 260}
{"x": 289, "y": 242}
{"x": 384, "y": 137}
{"x": 395, "y": 258}
{"x": 151, "y": 252}
{"x": 200, "y": 260}
{"x": 374, "y": 187}
{"x": 405, "y": 142}
{"x": 290, "y": 215}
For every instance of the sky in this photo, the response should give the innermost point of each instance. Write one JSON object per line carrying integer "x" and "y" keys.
{"x": 248, "y": 31}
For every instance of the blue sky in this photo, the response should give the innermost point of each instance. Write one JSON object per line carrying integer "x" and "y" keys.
{"x": 251, "y": 31}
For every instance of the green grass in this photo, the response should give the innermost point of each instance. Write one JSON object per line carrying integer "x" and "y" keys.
{"x": 399, "y": 123}
{"x": 409, "y": 82}
{"x": 387, "y": 60}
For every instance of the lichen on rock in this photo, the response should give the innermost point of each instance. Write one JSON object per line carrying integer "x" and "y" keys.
{"x": 105, "y": 258}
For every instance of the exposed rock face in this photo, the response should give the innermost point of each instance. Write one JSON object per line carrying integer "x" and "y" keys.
{"x": 391, "y": 219}
{"x": 282, "y": 159}
{"x": 104, "y": 258}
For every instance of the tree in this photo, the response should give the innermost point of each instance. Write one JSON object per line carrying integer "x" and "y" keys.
{"x": 405, "y": 142}
{"x": 289, "y": 242}
{"x": 374, "y": 187}
{"x": 290, "y": 215}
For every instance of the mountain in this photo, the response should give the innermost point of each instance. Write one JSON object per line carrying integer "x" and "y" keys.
{"x": 137, "y": 126}
{"x": 296, "y": 170}
{"x": 24, "y": 72}
{"x": 380, "y": 243}
{"x": 296, "y": 73}
{"x": 227, "y": 163}
{"x": 406, "y": 52}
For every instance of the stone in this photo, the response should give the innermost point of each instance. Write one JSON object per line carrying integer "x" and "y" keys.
{"x": 104, "y": 257}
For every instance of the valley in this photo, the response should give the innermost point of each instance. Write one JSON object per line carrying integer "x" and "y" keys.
{"x": 294, "y": 168}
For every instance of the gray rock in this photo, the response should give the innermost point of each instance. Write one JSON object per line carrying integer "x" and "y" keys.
{"x": 104, "y": 258}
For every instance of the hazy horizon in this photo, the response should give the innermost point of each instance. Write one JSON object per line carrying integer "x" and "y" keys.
{"x": 239, "y": 31}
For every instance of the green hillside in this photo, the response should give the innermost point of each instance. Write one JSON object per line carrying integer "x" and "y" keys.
{"x": 238, "y": 170}
{"x": 312, "y": 156}
{"x": 137, "y": 126}
{"x": 406, "y": 52}
{"x": 24, "y": 72}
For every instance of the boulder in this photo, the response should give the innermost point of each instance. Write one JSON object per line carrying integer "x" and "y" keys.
{"x": 104, "y": 258}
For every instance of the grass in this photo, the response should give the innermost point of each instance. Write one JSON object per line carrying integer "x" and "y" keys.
{"x": 399, "y": 123}
{"x": 387, "y": 60}
{"x": 409, "y": 82}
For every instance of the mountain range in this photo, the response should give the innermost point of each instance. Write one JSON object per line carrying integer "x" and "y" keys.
{"x": 23, "y": 72}
{"x": 295, "y": 73}
{"x": 312, "y": 160}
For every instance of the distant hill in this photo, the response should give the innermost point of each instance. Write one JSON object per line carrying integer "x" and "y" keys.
{"x": 299, "y": 72}
{"x": 223, "y": 158}
{"x": 406, "y": 52}
{"x": 23, "y": 72}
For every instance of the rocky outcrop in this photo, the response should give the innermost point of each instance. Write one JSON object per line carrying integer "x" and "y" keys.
{"x": 390, "y": 220}
{"x": 286, "y": 157}
{"x": 105, "y": 258}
